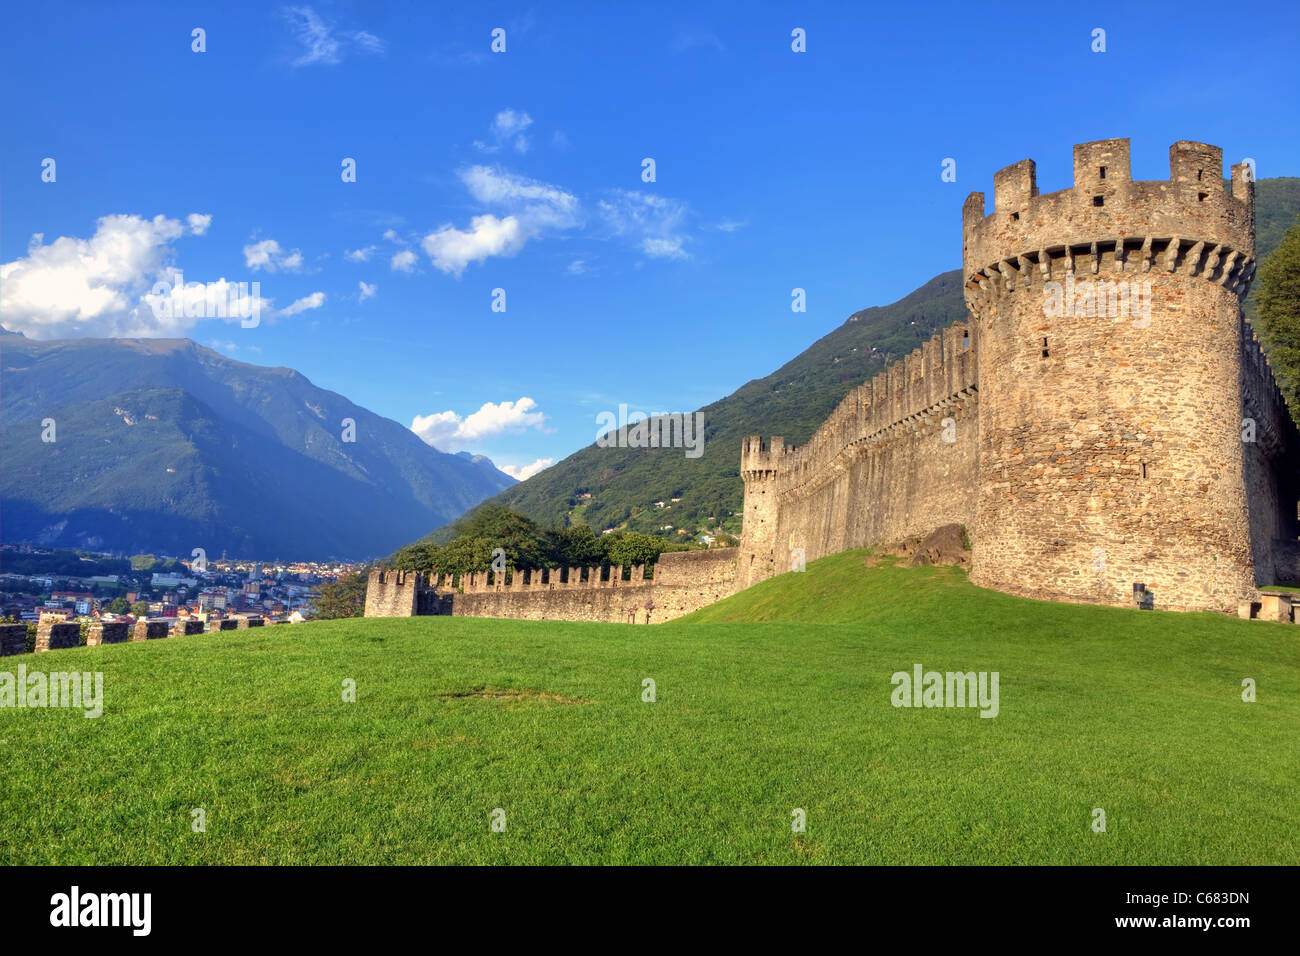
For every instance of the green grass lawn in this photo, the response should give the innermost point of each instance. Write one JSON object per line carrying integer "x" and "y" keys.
{"x": 776, "y": 699}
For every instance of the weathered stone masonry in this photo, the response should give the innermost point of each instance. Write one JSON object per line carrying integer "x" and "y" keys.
{"x": 896, "y": 458}
{"x": 682, "y": 582}
{"x": 1094, "y": 449}
{"x": 1133, "y": 434}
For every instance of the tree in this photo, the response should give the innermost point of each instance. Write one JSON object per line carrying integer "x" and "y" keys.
{"x": 1279, "y": 314}
{"x": 140, "y": 609}
{"x": 574, "y": 547}
{"x": 632, "y": 547}
{"x": 498, "y": 527}
{"x": 119, "y": 605}
{"x": 421, "y": 556}
{"x": 345, "y": 596}
{"x": 466, "y": 553}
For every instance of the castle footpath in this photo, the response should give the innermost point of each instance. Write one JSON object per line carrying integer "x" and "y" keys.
{"x": 1104, "y": 424}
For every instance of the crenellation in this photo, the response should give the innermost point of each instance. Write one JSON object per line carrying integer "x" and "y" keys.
{"x": 1102, "y": 166}
{"x": 107, "y": 632}
{"x": 13, "y": 639}
{"x": 150, "y": 630}
{"x": 1014, "y": 186}
{"x": 54, "y": 635}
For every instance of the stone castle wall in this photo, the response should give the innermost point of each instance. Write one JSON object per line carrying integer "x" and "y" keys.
{"x": 1271, "y": 465}
{"x": 896, "y": 458}
{"x": 682, "y": 582}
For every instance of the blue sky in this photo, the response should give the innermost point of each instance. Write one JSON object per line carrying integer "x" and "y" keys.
{"x": 522, "y": 171}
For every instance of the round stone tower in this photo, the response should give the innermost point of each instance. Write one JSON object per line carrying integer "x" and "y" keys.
{"x": 1110, "y": 380}
{"x": 759, "y": 466}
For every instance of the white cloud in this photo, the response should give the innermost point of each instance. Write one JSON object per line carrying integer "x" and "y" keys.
{"x": 656, "y": 222}
{"x": 321, "y": 44}
{"x": 664, "y": 248}
{"x": 536, "y": 204}
{"x": 524, "y": 472}
{"x": 451, "y": 249}
{"x": 268, "y": 255}
{"x": 359, "y": 255}
{"x": 731, "y": 225}
{"x": 508, "y": 128}
{"x": 392, "y": 236}
{"x": 577, "y": 267}
{"x": 313, "y": 301}
{"x": 102, "y": 286}
{"x": 508, "y": 122}
{"x": 447, "y": 431}
{"x": 367, "y": 291}
{"x": 404, "y": 261}
{"x": 367, "y": 42}
{"x": 531, "y": 208}
{"x": 510, "y": 125}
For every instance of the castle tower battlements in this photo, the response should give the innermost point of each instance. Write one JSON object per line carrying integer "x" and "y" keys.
{"x": 1188, "y": 222}
{"x": 1114, "y": 365}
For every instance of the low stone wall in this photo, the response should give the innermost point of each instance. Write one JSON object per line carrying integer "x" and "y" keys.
{"x": 683, "y": 581}
{"x": 563, "y": 604}
{"x": 117, "y": 632}
{"x": 13, "y": 639}
{"x": 55, "y": 637}
{"x": 229, "y": 624}
{"x": 149, "y": 630}
{"x": 185, "y": 628}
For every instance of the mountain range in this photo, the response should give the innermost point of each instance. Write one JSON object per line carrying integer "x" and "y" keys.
{"x": 162, "y": 445}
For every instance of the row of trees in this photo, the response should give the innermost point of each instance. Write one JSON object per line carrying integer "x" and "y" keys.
{"x": 527, "y": 545}
{"x": 1279, "y": 314}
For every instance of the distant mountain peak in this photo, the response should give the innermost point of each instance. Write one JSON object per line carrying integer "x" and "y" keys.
{"x": 165, "y": 445}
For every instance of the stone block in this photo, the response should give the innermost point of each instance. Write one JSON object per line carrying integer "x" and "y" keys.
{"x": 115, "y": 632}
{"x": 54, "y": 637}
{"x": 149, "y": 630}
{"x": 13, "y": 639}
{"x": 1275, "y": 606}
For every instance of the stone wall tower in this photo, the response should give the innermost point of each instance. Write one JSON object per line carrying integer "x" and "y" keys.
{"x": 759, "y": 465}
{"x": 1111, "y": 368}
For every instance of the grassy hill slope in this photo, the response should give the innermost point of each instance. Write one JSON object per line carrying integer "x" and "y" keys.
{"x": 776, "y": 699}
